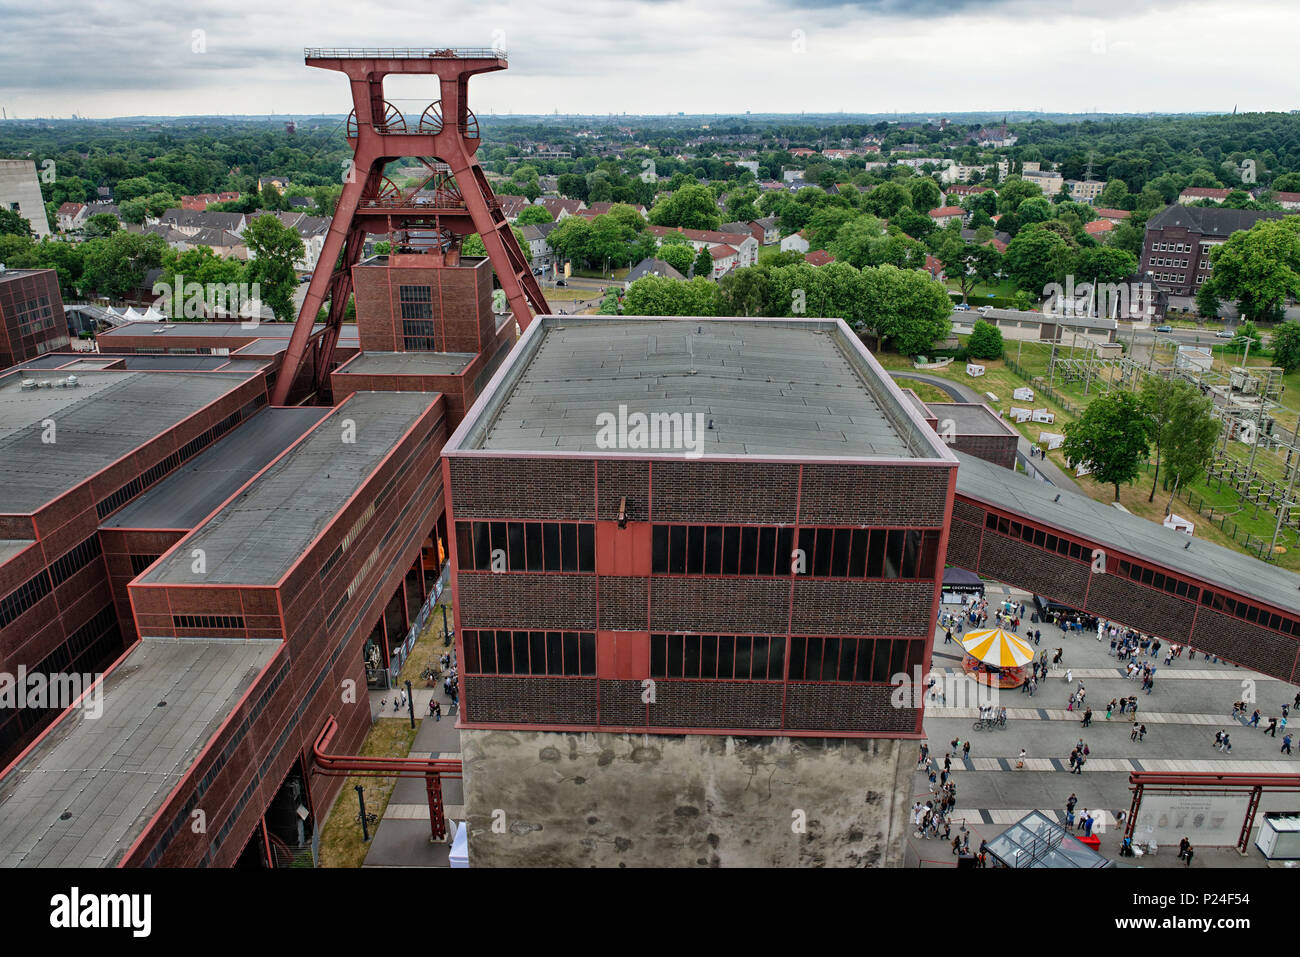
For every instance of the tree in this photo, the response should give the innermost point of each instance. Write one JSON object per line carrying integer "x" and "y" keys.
{"x": 690, "y": 207}
{"x": 274, "y": 251}
{"x": 12, "y": 224}
{"x": 703, "y": 265}
{"x": 745, "y": 292}
{"x": 533, "y": 215}
{"x": 968, "y": 264}
{"x": 1182, "y": 428}
{"x": 473, "y": 244}
{"x": 854, "y": 239}
{"x": 1259, "y": 268}
{"x": 926, "y": 194}
{"x": 1286, "y": 345}
{"x": 985, "y": 341}
{"x": 115, "y": 266}
{"x": 1114, "y": 194}
{"x": 1102, "y": 264}
{"x": 1111, "y": 438}
{"x": 887, "y": 199}
{"x": 1207, "y": 302}
{"x": 1015, "y": 191}
{"x": 1036, "y": 258}
{"x": 678, "y": 255}
{"x": 661, "y": 296}
{"x": 740, "y": 205}
{"x": 102, "y": 224}
{"x": 906, "y": 307}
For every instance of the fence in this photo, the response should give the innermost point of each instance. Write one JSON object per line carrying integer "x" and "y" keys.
{"x": 1259, "y": 547}
{"x": 1037, "y": 382}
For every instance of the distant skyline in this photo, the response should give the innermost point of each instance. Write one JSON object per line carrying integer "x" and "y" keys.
{"x": 651, "y": 57}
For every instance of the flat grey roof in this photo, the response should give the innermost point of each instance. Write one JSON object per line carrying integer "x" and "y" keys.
{"x": 971, "y": 418}
{"x": 1107, "y": 526}
{"x": 263, "y": 347}
{"x": 112, "y": 773}
{"x": 108, "y": 415}
{"x": 256, "y": 538}
{"x": 9, "y": 547}
{"x": 194, "y": 363}
{"x": 262, "y": 330}
{"x": 771, "y": 387}
{"x": 407, "y": 363}
{"x": 189, "y": 494}
{"x": 922, "y": 409}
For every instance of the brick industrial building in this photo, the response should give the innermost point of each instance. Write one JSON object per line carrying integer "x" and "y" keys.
{"x": 234, "y": 526}
{"x": 31, "y": 315}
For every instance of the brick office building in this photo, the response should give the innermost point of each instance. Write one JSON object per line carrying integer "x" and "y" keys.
{"x": 618, "y": 567}
{"x": 1176, "y": 247}
{"x": 31, "y": 315}
{"x": 975, "y": 428}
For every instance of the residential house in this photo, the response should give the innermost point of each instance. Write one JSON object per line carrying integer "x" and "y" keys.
{"x": 789, "y": 176}
{"x": 512, "y": 206}
{"x": 724, "y": 259}
{"x": 998, "y": 241}
{"x": 839, "y": 154}
{"x": 1194, "y": 194}
{"x": 1050, "y": 183}
{"x": 953, "y": 172}
{"x": 946, "y": 214}
{"x": 771, "y": 232}
{"x": 818, "y": 257}
{"x": 962, "y": 190}
{"x": 1287, "y": 200}
{"x": 1085, "y": 190}
{"x": 73, "y": 216}
{"x": 802, "y": 151}
{"x": 795, "y": 242}
{"x": 1099, "y": 228}
{"x": 190, "y": 221}
{"x": 202, "y": 201}
{"x": 1115, "y": 216}
{"x": 560, "y": 207}
{"x": 744, "y": 245}
{"x": 651, "y": 267}
{"x": 933, "y": 267}
{"x": 535, "y": 237}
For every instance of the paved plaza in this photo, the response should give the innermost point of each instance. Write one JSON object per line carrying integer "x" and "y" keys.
{"x": 1189, "y": 703}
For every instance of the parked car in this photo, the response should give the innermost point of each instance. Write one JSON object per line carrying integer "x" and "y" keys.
{"x": 961, "y": 307}
{"x": 1164, "y": 328}
{"x": 561, "y": 282}
{"x": 1225, "y": 334}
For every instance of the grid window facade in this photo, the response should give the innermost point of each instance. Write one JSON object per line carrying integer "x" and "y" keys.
{"x": 852, "y": 660}
{"x": 526, "y": 546}
{"x": 208, "y": 621}
{"x": 563, "y": 653}
{"x": 768, "y": 551}
{"x": 718, "y": 657}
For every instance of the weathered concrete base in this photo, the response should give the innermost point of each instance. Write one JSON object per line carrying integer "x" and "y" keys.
{"x": 550, "y": 799}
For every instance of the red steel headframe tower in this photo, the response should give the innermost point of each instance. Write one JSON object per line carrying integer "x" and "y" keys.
{"x": 453, "y": 201}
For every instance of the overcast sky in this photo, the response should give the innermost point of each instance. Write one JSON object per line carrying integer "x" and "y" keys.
{"x": 118, "y": 58}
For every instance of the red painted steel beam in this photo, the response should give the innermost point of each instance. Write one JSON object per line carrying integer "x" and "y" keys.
{"x": 379, "y": 135}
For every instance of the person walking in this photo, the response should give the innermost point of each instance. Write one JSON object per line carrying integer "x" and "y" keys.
{"x": 435, "y": 709}
{"x": 1272, "y": 727}
{"x": 965, "y": 750}
{"x": 1226, "y": 745}
{"x": 1110, "y": 709}
{"x": 1142, "y": 733}
{"x": 1254, "y": 719}
{"x": 1070, "y": 803}
{"x": 1087, "y": 718}
{"x": 1134, "y": 735}
{"x": 1087, "y": 826}
{"x": 1286, "y": 744}
{"x": 1020, "y": 761}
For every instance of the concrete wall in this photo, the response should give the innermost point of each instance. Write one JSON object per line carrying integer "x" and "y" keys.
{"x": 695, "y": 800}
{"x": 18, "y": 184}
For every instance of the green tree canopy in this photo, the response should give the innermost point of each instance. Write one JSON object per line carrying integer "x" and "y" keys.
{"x": 1111, "y": 438}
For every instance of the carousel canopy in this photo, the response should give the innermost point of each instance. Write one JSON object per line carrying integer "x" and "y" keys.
{"x": 998, "y": 648}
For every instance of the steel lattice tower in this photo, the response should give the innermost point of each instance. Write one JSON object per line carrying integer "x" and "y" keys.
{"x": 445, "y": 141}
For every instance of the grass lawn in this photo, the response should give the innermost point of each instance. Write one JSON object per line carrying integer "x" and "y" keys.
{"x": 340, "y": 843}
{"x": 926, "y": 391}
{"x": 1006, "y": 289}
